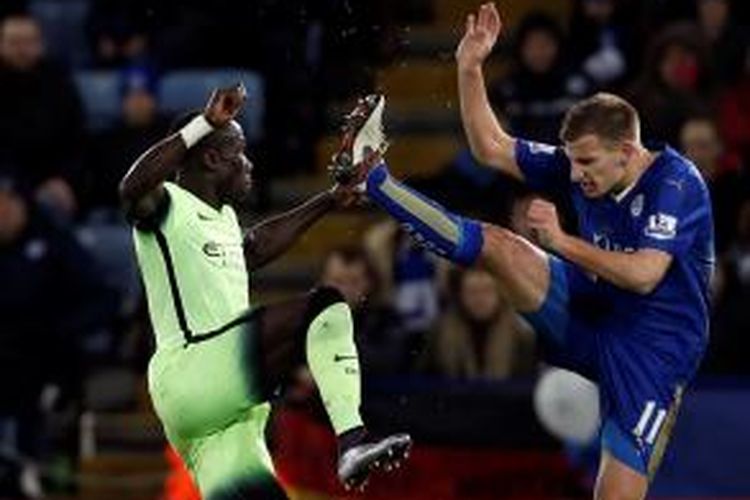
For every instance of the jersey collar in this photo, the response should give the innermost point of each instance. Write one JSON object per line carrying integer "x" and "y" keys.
{"x": 618, "y": 197}
{"x": 662, "y": 151}
{"x": 205, "y": 211}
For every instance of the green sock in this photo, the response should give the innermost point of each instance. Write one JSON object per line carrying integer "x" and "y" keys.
{"x": 334, "y": 363}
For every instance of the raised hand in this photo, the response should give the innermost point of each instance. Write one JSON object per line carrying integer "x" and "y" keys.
{"x": 480, "y": 36}
{"x": 224, "y": 105}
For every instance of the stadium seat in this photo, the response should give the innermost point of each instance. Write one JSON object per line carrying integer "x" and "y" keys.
{"x": 181, "y": 91}
{"x": 63, "y": 25}
{"x": 99, "y": 91}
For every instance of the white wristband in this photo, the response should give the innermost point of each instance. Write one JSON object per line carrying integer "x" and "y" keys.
{"x": 195, "y": 130}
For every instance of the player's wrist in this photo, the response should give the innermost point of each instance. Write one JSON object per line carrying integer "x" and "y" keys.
{"x": 471, "y": 68}
{"x": 561, "y": 243}
{"x": 196, "y": 129}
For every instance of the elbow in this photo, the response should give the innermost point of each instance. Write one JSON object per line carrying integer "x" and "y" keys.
{"x": 484, "y": 151}
{"x": 492, "y": 150}
{"x": 126, "y": 190}
{"x": 126, "y": 196}
{"x": 123, "y": 191}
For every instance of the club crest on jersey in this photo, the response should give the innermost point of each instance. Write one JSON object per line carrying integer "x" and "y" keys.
{"x": 636, "y": 206}
{"x": 661, "y": 226}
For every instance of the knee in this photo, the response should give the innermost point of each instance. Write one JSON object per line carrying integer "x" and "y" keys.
{"x": 500, "y": 246}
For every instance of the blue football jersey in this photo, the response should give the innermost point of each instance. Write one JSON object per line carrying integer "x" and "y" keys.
{"x": 668, "y": 209}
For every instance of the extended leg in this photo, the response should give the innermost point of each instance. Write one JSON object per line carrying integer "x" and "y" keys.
{"x": 318, "y": 328}
{"x": 523, "y": 269}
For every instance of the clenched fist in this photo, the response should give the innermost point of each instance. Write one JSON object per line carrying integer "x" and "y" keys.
{"x": 224, "y": 105}
{"x": 543, "y": 220}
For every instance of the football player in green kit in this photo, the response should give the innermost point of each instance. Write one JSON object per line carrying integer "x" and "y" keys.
{"x": 218, "y": 358}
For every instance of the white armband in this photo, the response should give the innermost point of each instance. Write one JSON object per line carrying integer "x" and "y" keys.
{"x": 195, "y": 130}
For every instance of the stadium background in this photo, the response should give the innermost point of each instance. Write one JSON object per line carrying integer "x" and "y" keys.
{"x": 442, "y": 355}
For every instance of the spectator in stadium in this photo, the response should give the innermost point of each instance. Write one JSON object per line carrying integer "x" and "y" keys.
{"x": 540, "y": 87}
{"x": 349, "y": 270}
{"x": 734, "y": 114}
{"x": 675, "y": 82}
{"x": 118, "y": 31}
{"x": 700, "y": 141}
{"x": 603, "y": 44}
{"x": 377, "y": 326}
{"x": 41, "y": 124}
{"x": 730, "y": 344}
{"x": 49, "y": 298}
{"x": 409, "y": 281}
{"x": 727, "y": 43}
{"x": 479, "y": 336}
{"x": 491, "y": 194}
{"x": 113, "y": 151}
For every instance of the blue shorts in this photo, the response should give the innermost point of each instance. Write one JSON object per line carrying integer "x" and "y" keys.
{"x": 639, "y": 398}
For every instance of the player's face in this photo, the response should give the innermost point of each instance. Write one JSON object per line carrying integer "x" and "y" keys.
{"x": 597, "y": 166}
{"x": 237, "y": 169}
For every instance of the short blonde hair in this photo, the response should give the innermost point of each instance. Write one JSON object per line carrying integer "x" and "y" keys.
{"x": 608, "y": 116}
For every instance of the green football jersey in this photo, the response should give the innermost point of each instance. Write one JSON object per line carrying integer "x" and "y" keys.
{"x": 193, "y": 268}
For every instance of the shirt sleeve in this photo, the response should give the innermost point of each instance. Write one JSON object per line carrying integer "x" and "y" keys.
{"x": 672, "y": 221}
{"x": 544, "y": 167}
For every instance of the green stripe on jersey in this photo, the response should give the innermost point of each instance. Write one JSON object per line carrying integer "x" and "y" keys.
{"x": 193, "y": 268}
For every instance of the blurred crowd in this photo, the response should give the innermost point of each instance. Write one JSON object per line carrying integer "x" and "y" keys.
{"x": 70, "y": 296}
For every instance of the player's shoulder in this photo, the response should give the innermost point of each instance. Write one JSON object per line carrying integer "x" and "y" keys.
{"x": 678, "y": 174}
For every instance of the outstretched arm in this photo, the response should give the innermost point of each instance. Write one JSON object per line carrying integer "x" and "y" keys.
{"x": 489, "y": 143}
{"x": 141, "y": 190}
{"x": 269, "y": 239}
{"x": 640, "y": 271}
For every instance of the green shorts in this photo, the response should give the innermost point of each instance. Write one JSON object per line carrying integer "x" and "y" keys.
{"x": 208, "y": 398}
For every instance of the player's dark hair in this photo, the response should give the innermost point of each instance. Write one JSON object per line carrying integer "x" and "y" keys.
{"x": 608, "y": 116}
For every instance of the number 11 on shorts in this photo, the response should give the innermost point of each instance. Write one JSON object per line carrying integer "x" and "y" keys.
{"x": 650, "y": 422}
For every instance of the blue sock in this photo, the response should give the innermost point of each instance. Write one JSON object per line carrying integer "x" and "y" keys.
{"x": 449, "y": 235}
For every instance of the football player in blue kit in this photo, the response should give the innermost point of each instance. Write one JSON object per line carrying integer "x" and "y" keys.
{"x": 625, "y": 301}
